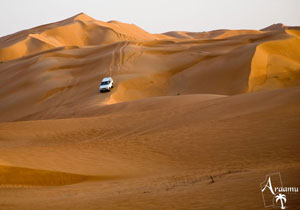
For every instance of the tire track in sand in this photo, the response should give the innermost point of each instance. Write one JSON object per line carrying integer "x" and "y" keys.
{"x": 120, "y": 57}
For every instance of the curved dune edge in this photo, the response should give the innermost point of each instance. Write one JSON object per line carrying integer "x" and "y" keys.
{"x": 153, "y": 87}
{"x": 276, "y": 64}
{"x": 19, "y": 176}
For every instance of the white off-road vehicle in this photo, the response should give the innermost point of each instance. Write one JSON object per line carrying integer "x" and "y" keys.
{"x": 106, "y": 84}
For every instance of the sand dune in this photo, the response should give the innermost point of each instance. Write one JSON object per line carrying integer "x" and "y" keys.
{"x": 185, "y": 106}
{"x": 53, "y": 81}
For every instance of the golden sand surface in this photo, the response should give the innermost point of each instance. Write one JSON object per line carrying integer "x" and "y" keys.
{"x": 186, "y": 106}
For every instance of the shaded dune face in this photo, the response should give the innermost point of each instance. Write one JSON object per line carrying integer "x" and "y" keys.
{"x": 25, "y": 177}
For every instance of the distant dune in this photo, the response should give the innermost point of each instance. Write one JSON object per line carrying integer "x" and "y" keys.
{"x": 217, "y": 34}
{"x": 186, "y": 106}
{"x": 279, "y": 26}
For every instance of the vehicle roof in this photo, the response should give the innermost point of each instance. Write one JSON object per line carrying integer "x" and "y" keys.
{"x": 106, "y": 79}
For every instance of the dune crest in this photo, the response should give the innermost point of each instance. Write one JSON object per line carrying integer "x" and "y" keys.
{"x": 80, "y": 30}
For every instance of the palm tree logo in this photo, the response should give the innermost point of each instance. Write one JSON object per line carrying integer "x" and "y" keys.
{"x": 282, "y": 198}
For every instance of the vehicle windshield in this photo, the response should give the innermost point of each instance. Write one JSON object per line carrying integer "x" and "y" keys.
{"x": 105, "y": 83}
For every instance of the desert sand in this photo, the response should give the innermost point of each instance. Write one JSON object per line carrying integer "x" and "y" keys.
{"x": 186, "y": 106}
